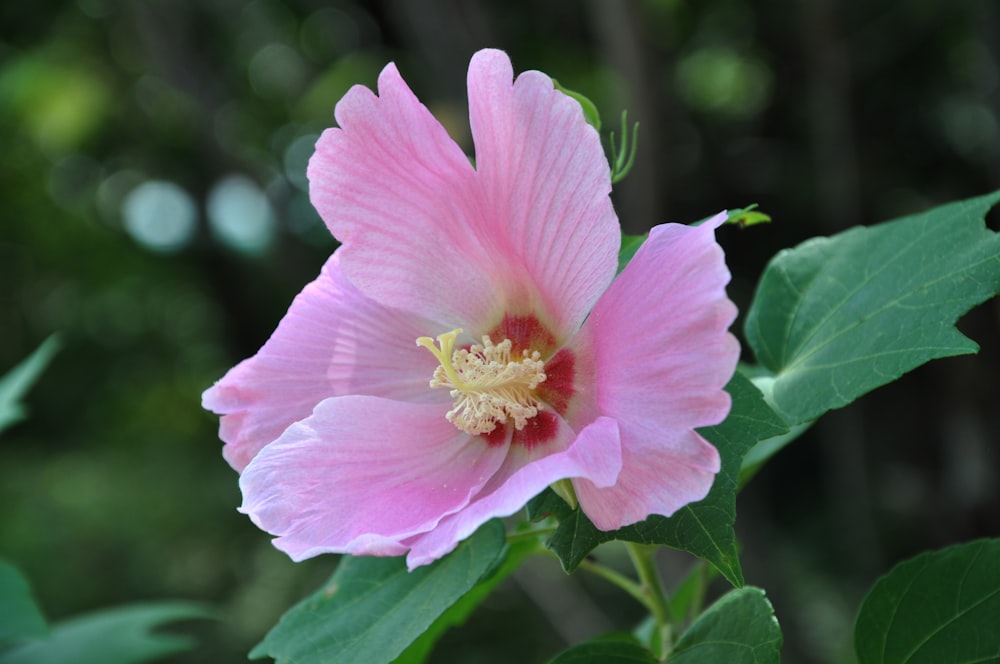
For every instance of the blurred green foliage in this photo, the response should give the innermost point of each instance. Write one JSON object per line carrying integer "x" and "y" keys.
{"x": 137, "y": 135}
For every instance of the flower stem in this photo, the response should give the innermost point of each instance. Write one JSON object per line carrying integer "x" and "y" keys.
{"x": 531, "y": 533}
{"x": 620, "y": 580}
{"x": 699, "y": 597}
{"x": 643, "y": 557}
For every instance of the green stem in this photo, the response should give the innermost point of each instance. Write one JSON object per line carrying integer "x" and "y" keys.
{"x": 529, "y": 534}
{"x": 699, "y": 597}
{"x": 620, "y": 580}
{"x": 643, "y": 557}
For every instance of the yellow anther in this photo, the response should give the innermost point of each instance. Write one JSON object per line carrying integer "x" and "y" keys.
{"x": 488, "y": 385}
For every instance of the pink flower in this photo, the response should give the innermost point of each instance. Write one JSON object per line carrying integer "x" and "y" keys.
{"x": 469, "y": 345}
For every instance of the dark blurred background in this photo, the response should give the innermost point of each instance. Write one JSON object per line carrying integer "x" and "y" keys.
{"x": 153, "y": 210}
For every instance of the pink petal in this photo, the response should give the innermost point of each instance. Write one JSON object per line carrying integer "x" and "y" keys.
{"x": 594, "y": 454}
{"x": 332, "y": 342}
{"x": 362, "y": 474}
{"x": 545, "y": 183}
{"x": 652, "y": 481}
{"x": 531, "y": 232}
{"x": 662, "y": 354}
{"x": 401, "y": 196}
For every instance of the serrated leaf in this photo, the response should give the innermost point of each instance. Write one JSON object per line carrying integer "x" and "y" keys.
{"x": 837, "y": 317}
{"x": 740, "y": 628}
{"x": 20, "y": 617}
{"x": 625, "y": 650}
{"x": 372, "y": 609}
{"x": 458, "y": 613}
{"x": 942, "y": 607}
{"x": 705, "y": 528}
{"x": 114, "y": 636}
{"x": 16, "y": 382}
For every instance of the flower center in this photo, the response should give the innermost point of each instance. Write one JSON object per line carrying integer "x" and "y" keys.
{"x": 488, "y": 385}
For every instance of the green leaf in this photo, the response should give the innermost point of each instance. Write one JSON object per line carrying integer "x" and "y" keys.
{"x": 120, "y": 636}
{"x": 605, "y": 650}
{"x": 372, "y": 608}
{"x": 590, "y": 113}
{"x": 630, "y": 245}
{"x": 15, "y": 384}
{"x": 942, "y": 607}
{"x": 740, "y": 628}
{"x": 837, "y": 317}
{"x": 704, "y": 528}
{"x": 20, "y": 617}
{"x": 458, "y": 613}
{"x": 748, "y": 216}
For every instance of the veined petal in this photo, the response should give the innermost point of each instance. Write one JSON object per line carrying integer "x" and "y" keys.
{"x": 662, "y": 354}
{"x": 332, "y": 342}
{"x": 653, "y": 480}
{"x": 401, "y": 196}
{"x": 595, "y": 454}
{"x": 363, "y": 474}
{"x": 544, "y": 184}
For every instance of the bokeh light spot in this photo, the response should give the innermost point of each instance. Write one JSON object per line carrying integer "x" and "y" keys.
{"x": 276, "y": 71}
{"x": 720, "y": 80}
{"x": 240, "y": 216}
{"x": 160, "y": 216}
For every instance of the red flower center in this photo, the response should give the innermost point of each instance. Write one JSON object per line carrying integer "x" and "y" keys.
{"x": 496, "y": 385}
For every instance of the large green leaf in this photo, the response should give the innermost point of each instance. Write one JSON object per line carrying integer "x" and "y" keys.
{"x": 704, "y": 528}
{"x": 617, "y": 650}
{"x": 114, "y": 636}
{"x": 15, "y": 383}
{"x": 372, "y": 608}
{"x": 740, "y": 628}
{"x": 20, "y": 617}
{"x": 837, "y": 317}
{"x": 458, "y": 612}
{"x": 942, "y": 607}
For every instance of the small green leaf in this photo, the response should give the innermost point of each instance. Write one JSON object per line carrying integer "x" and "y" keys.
{"x": 606, "y": 650}
{"x": 704, "y": 528}
{"x": 459, "y": 612}
{"x": 590, "y": 113}
{"x": 748, "y": 216}
{"x": 630, "y": 245}
{"x": 15, "y": 384}
{"x": 20, "y": 617}
{"x": 372, "y": 609}
{"x": 837, "y": 317}
{"x": 740, "y": 628}
{"x": 121, "y": 635}
{"x": 942, "y": 607}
